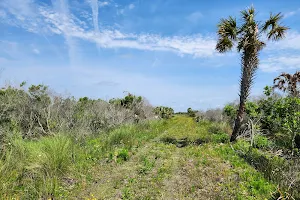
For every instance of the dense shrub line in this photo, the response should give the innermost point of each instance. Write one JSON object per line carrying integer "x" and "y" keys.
{"x": 36, "y": 111}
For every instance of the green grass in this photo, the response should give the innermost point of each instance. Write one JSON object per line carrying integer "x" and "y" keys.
{"x": 172, "y": 159}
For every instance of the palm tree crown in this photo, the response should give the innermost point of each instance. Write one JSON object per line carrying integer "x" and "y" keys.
{"x": 248, "y": 34}
{"x": 288, "y": 83}
{"x": 246, "y": 37}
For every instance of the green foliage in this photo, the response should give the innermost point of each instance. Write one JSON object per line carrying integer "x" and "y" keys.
{"x": 34, "y": 169}
{"x": 164, "y": 112}
{"x": 230, "y": 111}
{"x": 122, "y": 155}
{"x": 262, "y": 142}
{"x": 268, "y": 90}
{"x": 36, "y": 112}
{"x": 281, "y": 115}
{"x": 246, "y": 35}
{"x": 221, "y": 138}
{"x": 191, "y": 112}
{"x": 252, "y": 109}
{"x": 128, "y": 101}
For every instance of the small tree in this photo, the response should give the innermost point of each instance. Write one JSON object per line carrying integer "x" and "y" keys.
{"x": 247, "y": 36}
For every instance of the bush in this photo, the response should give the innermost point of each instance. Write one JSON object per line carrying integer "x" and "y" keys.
{"x": 262, "y": 142}
{"x": 36, "y": 112}
{"x": 191, "y": 113}
{"x": 164, "y": 112}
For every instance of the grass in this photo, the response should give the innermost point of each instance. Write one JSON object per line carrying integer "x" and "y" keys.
{"x": 172, "y": 159}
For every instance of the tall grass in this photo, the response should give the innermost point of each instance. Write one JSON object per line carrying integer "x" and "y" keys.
{"x": 49, "y": 166}
{"x": 32, "y": 169}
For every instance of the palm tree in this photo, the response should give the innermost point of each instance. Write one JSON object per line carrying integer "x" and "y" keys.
{"x": 247, "y": 38}
{"x": 288, "y": 82}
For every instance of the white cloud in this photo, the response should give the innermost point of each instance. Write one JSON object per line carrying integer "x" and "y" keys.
{"x": 194, "y": 17}
{"x": 94, "y": 5}
{"x": 131, "y": 6}
{"x": 274, "y": 64}
{"x": 20, "y": 8}
{"x": 61, "y": 13}
{"x": 60, "y": 21}
{"x": 291, "y": 41}
{"x": 284, "y": 54}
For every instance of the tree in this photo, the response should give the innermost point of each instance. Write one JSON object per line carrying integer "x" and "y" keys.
{"x": 247, "y": 38}
{"x": 288, "y": 83}
{"x": 191, "y": 112}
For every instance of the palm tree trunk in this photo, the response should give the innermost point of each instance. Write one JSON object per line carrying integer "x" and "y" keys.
{"x": 238, "y": 121}
{"x": 249, "y": 66}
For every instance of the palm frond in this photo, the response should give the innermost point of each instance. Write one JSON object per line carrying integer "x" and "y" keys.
{"x": 272, "y": 21}
{"x": 287, "y": 82}
{"x": 224, "y": 45}
{"x": 227, "y": 32}
{"x": 272, "y": 27}
{"x": 228, "y": 28}
{"x": 277, "y": 33}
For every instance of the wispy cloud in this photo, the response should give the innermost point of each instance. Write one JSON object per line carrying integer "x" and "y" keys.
{"x": 94, "y": 6}
{"x": 280, "y": 63}
{"x": 61, "y": 11}
{"x": 284, "y": 54}
{"x": 60, "y": 21}
{"x": 19, "y": 8}
{"x": 291, "y": 41}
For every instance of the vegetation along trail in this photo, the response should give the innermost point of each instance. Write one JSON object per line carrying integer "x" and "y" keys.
{"x": 181, "y": 160}
{"x": 56, "y": 146}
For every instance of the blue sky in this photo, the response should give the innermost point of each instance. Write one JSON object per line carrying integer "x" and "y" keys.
{"x": 160, "y": 49}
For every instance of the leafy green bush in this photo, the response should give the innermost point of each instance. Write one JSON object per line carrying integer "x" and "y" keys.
{"x": 262, "y": 142}
{"x": 164, "y": 112}
{"x": 230, "y": 111}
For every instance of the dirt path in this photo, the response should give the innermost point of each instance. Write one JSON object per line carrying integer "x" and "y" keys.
{"x": 160, "y": 170}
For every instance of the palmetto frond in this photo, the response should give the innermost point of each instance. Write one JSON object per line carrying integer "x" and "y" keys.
{"x": 288, "y": 82}
{"x": 227, "y": 32}
{"x": 272, "y": 27}
{"x": 224, "y": 45}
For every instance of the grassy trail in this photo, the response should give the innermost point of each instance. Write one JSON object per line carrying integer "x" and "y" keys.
{"x": 180, "y": 162}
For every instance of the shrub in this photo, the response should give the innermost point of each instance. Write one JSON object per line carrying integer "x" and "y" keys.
{"x": 262, "y": 142}
{"x": 191, "y": 113}
{"x": 164, "y": 112}
{"x": 37, "y": 111}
